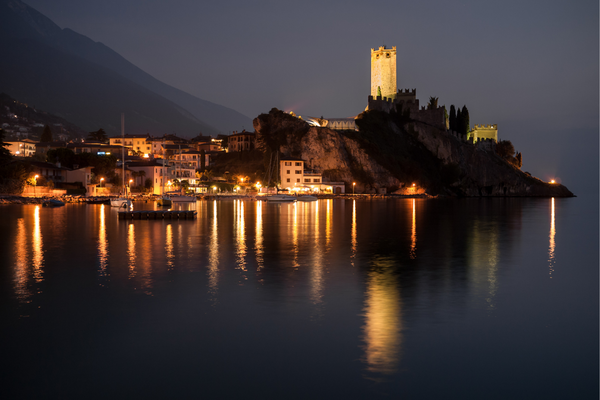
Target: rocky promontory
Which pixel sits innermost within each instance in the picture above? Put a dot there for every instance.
(390, 151)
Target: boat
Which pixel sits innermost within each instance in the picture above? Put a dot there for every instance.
(179, 198)
(307, 197)
(53, 203)
(164, 201)
(280, 198)
(122, 202)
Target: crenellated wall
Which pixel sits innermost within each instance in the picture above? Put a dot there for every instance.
(383, 71)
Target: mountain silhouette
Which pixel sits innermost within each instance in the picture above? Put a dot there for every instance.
(87, 83)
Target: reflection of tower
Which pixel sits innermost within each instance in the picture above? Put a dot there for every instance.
(552, 249)
(383, 322)
(383, 72)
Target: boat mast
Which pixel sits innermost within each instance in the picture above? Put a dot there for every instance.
(123, 150)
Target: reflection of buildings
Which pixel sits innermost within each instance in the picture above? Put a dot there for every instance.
(383, 323)
(413, 234)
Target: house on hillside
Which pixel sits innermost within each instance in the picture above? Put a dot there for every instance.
(294, 177)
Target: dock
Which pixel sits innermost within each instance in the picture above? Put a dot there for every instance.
(150, 214)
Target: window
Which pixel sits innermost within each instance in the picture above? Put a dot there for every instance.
(298, 180)
(306, 180)
(288, 179)
(298, 164)
(288, 164)
(288, 171)
(298, 171)
(316, 180)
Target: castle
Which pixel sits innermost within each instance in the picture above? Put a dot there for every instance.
(385, 96)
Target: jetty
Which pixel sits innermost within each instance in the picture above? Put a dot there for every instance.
(151, 214)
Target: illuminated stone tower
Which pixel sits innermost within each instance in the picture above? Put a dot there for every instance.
(383, 72)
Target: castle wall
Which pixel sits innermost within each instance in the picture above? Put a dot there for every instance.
(481, 132)
(383, 72)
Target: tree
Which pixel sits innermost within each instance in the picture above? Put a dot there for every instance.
(66, 157)
(5, 155)
(459, 121)
(99, 135)
(466, 123)
(505, 149)
(452, 118)
(519, 159)
(46, 135)
(378, 91)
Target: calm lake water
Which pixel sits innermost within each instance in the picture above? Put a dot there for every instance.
(344, 299)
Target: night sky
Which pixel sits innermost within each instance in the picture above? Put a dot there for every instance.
(529, 66)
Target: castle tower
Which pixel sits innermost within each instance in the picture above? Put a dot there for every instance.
(383, 72)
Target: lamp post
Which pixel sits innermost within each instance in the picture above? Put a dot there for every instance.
(101, 182)
(353, 184)
(130, 181)
(34, 183)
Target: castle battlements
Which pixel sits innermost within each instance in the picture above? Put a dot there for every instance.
(492, 126)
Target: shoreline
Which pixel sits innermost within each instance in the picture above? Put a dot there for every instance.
(79, 199)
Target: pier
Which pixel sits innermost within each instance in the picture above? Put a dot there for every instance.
(150, 214)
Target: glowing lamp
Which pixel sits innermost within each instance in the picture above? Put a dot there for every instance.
(552, 181)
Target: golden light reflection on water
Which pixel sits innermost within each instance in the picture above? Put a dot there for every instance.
(240, 235)
(169, 247)
(328, 221)
(316, 292)
(484, 260)
(382, 331)
(413, 236)
(38, 251)
(354, 233)
(552, 248)
(131, 250)
(294, 210)
(102, 243)
(259, 241)
(213, 254)
(21, 280)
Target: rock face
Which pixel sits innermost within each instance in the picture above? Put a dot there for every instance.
(389, 152)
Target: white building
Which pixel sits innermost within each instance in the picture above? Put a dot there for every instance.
(294, 177)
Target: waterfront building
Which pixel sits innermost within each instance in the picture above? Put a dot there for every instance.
(293, 176)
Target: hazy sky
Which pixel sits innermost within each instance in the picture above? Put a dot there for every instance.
(529, 66)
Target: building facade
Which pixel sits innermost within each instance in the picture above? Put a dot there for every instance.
(383, 72)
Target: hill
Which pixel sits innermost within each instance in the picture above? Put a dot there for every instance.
(70, 75)
(390, 151)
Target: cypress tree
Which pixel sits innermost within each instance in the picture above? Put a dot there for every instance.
(458, 122)
(452, 118)
(378, 91)
(46, 135)
(466, 122)
(202, 160)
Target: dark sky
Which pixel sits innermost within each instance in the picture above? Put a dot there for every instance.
(529, 66)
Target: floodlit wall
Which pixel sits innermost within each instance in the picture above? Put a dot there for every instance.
(383, 71)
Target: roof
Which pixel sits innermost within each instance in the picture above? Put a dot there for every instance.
(243, 133)
(290, 159)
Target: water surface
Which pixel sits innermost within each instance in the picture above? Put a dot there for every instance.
(398, 298)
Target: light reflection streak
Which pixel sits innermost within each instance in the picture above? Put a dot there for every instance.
(21, 271)
(484, 258)
(38, 254)
(240, 235)
(317, 270)
(294, 210)
(413, 236)
(102, 244)
(552, 248)
(259, 243)
(131, 250)
(169, 247)
(382, 331)
(354, 233)
(328, 224)
(213, 254)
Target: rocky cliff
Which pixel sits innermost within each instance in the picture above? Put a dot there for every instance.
(390, 151)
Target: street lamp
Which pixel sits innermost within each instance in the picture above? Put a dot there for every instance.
(34, 183)
(130, 182)
(353, 184)
(101, 182)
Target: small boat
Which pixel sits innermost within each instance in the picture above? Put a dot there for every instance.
(53, 203)
(280, 198)
(97, 200)
(164, 201)
(307, 198)
(121, 202)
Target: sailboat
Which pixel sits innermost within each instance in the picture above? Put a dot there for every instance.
(163, 200)
(122, 202)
